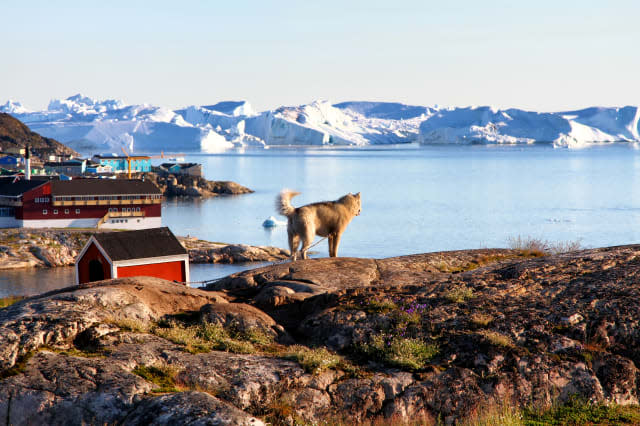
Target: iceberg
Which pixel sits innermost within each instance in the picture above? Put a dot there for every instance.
(90, 125)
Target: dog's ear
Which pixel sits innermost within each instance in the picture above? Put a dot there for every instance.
(358, 195)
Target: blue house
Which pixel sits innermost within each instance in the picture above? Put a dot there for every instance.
(120, 163)
(11, 161)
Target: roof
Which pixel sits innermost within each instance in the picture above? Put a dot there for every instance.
(13, 189)
(114, 156)
(75, 163)
(140, 244)
(103, 187)
(181, 165)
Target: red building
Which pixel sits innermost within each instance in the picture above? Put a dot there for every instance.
(79, 203)
(152, 252)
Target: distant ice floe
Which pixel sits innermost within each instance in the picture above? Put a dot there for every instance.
(272, 222)
(87, 124)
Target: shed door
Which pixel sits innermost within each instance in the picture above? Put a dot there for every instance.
(96, 273)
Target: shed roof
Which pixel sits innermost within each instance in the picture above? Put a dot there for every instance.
(139, 244)
(103, 187)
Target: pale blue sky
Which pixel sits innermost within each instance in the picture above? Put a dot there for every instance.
(543, 55)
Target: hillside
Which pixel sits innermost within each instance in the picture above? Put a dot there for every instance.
(14, 134)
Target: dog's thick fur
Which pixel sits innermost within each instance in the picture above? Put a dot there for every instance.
(327, 219)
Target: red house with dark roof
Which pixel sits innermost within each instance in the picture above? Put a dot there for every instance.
(154, 252)
(79, 203)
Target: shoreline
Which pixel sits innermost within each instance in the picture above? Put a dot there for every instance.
(23, 248)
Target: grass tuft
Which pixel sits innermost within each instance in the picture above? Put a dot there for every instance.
(497, 339)
(533, 247)
(459, 294)
(480, 319)
(314, 361)
(163, 376)
(401, 352)
(129, 324)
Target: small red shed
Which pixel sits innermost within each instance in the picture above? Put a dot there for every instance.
(153, 252)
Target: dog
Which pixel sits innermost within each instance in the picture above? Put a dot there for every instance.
(326, 218)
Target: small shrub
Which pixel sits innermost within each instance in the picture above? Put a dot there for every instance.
(8, 301)
(163, 376)
(314, 361)
(497, 339)
(406, 353)
(480, 319)
(459, 294)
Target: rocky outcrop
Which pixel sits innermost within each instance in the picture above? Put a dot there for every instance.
(27, 248)
(201, 251)
(406, 339)
(173, 185)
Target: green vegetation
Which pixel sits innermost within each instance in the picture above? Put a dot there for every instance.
(397, 351)
(314, 361)
(8, 301)
(163, 376)
(577, 411)
(208, 337)
(459, 294)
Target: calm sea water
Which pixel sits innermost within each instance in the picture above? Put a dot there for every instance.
(427, 198)
(414, 199)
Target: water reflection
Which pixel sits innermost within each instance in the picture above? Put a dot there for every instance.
(32, 281)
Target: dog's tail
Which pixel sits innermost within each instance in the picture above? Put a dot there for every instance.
(283, 202)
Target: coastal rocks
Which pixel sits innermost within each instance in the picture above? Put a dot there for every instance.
(201, 251)
(411, 338)
(173, 185)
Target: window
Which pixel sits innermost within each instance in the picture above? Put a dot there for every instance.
(55, 212)
(137, 209)
(77, 211)
(44, 211)
(66, 211)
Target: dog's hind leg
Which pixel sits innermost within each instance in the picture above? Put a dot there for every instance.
(307, 239)
(293, 246)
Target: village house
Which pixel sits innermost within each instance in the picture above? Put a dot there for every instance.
(75, 167)
(154, 252)
(10, 161)
(120, 163)
(81, 203)
(190, 169)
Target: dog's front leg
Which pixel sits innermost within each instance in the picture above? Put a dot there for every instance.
(336, 241)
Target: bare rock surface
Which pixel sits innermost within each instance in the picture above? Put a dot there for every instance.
(490, 325)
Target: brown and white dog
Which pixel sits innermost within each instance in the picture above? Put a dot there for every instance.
(326, 218)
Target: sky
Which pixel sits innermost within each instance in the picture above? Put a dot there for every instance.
(540, 55)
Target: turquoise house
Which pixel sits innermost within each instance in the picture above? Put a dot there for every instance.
(119, 163)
